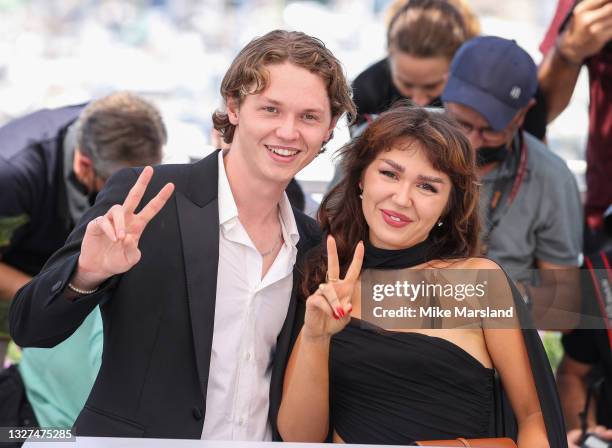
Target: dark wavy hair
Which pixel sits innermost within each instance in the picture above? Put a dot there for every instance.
(247, 74)
(447, 150)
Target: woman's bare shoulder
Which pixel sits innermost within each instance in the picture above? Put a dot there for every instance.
(481, 263)
(465, 263)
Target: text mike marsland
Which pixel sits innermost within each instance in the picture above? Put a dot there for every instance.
(437, 312)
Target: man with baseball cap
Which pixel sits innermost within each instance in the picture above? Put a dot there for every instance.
(532, 216)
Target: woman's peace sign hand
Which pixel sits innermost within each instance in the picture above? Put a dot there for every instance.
(110, 244)
(328, 308)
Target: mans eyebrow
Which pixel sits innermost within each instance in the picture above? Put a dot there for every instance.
(314, 110)
(265, 99)
(274, 102)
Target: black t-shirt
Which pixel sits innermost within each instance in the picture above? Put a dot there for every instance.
(374, 92)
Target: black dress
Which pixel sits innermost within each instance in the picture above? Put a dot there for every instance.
(391, 387)
(394, 388)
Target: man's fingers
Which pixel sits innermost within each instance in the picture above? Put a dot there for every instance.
(355, 268)
(333, 265)
(115, 214)
(156, 204)
(603, 29)
(589, 5)
(132, 253)
(105, 225)
(598, 15)
(137, 191)
(604, 432)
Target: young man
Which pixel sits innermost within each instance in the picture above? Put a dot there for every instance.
(196, 288)
(532, 217)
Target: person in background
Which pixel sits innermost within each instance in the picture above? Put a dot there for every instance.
(585, 372)
(422, 38)
(53, 162)
(529, 199)
(581, 35)
(472, 24)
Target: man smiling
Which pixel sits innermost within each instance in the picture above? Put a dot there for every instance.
(196, 288)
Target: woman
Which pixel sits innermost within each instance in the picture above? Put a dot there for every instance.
(422, 37)
(410, 193)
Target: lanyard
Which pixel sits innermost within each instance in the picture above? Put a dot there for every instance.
(498, 187)
(600, 278)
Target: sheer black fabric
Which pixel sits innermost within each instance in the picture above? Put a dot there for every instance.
(393, 388)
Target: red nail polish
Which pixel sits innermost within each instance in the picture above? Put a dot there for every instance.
(340, 311)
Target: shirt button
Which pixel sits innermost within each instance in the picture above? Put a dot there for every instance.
(197, 413)
(241, 421)
(247, 356)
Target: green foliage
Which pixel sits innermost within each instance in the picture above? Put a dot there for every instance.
(553, 347)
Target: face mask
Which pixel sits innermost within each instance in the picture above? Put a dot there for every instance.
(77, 184)
(81, 188)
(91, 198)
(436, 102)
(490, 154)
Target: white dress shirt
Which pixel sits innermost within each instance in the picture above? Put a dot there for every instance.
(249, 314)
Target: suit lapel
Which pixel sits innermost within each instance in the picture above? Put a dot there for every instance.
(291, 327)
(198, 216)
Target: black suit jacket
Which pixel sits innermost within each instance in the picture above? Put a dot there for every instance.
(158, 317)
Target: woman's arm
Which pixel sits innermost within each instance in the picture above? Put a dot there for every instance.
(509, 355)
(304, 411)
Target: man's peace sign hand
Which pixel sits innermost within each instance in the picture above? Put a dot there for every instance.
(328, 308)
(110, 244)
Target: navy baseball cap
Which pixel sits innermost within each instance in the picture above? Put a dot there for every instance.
(493, 76)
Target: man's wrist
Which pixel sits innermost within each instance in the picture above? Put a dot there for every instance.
(85, 282)
(566, 54)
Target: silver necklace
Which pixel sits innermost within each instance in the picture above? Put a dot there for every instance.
(268, 252)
